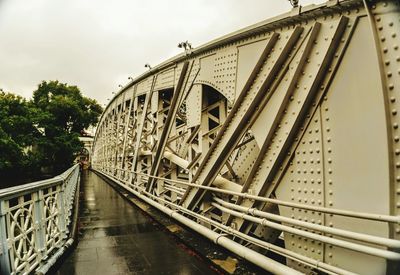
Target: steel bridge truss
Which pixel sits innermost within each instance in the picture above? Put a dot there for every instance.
(286, 130)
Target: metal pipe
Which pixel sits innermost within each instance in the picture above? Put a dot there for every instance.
(348, 213)
(269, 246)
(341, 243)
(325, 229)
(279, 250)
(246, 253)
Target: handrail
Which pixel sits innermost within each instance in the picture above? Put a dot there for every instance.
(333, 211)
(35, 221)
(18, 190)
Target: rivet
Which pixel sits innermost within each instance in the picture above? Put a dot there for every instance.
(398, 191)
(394, 112)
(389, 74)
(395, 125)
(396, 138)
(392, 99)
(331, 203)
(387, 62)
(397, 151)
(398, 205)
(393, 35)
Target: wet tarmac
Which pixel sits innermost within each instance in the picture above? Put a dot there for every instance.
(117, 238)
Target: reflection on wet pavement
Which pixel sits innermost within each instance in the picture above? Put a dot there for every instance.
(116, 238)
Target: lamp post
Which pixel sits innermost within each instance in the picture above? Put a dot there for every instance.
(186, 46)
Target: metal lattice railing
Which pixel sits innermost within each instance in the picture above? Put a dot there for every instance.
(35, 221)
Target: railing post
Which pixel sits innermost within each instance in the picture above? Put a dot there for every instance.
(39, 223)
(61, 205)
(5, 267)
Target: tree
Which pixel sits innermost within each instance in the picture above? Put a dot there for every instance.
(62, 114)
(41, 136)
(17, 135)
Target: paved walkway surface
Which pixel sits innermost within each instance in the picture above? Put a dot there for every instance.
(116, 238)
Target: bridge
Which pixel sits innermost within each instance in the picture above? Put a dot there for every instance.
(278, 139)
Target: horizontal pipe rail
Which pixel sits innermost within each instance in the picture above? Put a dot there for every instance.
(151, 199)
(341, 212)
(340, 243)
(274, 248)
(325, 229)
(248, 254)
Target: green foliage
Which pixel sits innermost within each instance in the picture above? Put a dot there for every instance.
(41, 135)
(68, 108)
(17, 135)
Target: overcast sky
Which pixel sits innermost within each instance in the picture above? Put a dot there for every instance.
(97, 44)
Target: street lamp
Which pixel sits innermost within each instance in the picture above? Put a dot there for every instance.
(294, 3)
(187, 46)
(147, 65)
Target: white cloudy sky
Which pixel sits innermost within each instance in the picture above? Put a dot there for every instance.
(97, 44)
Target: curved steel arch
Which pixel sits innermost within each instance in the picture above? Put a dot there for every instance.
(302, 146)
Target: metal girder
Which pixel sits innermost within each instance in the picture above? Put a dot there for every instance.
(294, 119)
(175, 103)
(263, 172)
(237, 122)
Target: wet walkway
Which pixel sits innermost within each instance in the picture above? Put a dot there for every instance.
(116, 238)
